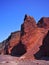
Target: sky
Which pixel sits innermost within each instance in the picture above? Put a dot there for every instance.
(12, 13)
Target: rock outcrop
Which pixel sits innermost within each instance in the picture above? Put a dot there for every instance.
(28, 25)
(10, 42)
(43, 23)
(32, 41)
(27, 29)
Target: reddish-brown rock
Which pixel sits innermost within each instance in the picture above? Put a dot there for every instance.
(45, 45)
(14, 40)
(44, 22)
(27, 29)
(33, 36)
(32, 41)
(28, 25)
(10, 42)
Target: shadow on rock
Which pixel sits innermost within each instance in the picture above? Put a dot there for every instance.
(18, 50)
(43, 53)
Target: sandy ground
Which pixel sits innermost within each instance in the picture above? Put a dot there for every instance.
(25, 63)
(9, 60)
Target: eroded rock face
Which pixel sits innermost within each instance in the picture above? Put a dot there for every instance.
(44, 22)
(32, 41)
(10, 42)
(33, 35)
(28, 25)
(14, 40)
(27, 29)
(18, 50)
(44, 48)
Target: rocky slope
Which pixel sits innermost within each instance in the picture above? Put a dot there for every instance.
(32, 41)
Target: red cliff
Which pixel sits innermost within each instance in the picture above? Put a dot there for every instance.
(32, 41)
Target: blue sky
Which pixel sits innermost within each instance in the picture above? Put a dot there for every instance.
(12, 14)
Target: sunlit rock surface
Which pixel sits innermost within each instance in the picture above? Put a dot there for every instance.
(31, 42)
